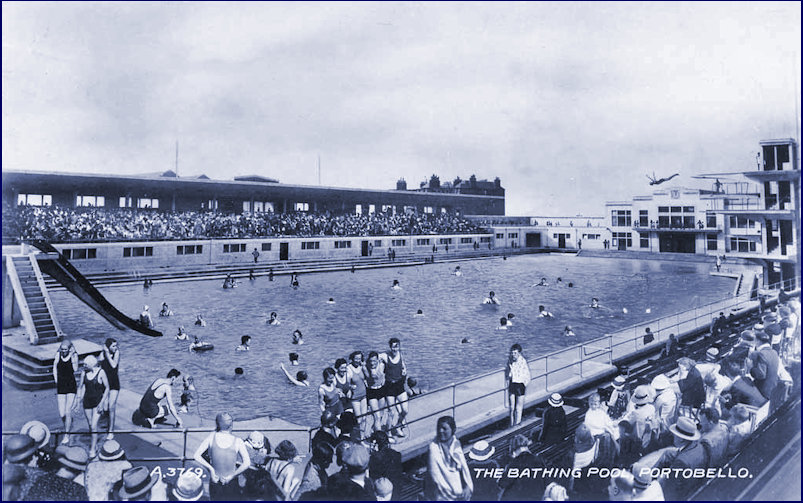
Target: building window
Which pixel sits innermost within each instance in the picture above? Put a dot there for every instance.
(445, 241)
(688, 222)
(126, 202)
(620, 218)
(189, 250)
(616, 237)
(485, 239)
(95, 201)
(711, 241)
(742, 245)
(643, 218)
(513, 235)
(266, 246)
(302, 206)
(688, 209)
(138, 251)
(399, 242)
(387, 208)
(371, 209)
(422, 241)
(711, 221)
(428, 209)
(210, 205)
(342, 244)
(378, 243)
(80, 253)
(34, 200)
(591, 237)
(663, 209)
(464, 241)
(644, 239)
(500, 236)
(234, 248)
(741, 222)
(310, 245)
(147, 202)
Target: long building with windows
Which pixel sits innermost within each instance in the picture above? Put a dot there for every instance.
(166, 191)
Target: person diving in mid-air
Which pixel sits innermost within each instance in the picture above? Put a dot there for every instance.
(658, 181)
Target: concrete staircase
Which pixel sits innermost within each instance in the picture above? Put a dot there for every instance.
(33, 300)
(30, 367)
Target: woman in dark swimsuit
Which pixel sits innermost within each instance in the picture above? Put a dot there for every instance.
(160, 389)
(95, 393)
(110, 363)
(64, 366)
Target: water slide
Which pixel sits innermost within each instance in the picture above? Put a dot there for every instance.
(60, 269)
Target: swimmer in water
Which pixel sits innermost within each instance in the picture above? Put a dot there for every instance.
(419, 313)
(298, 337)
(491, 299)
(182, 334)
(330, 301)
(274, 319)
(510, 317)
(251, 275)
(502, 323)
(238, 371)
(465, 340)
(559, 279)
(145, 317)
(244, 343)
(294, 280)
(293, 358)
(542, 283)
(165, 310)
(299, 380)
(568, 332)
(570, 285)
(198, 344)
(543, 313)
(594, 303)
(395, 285)
(200, 321)
(229, 282)
(457, 271)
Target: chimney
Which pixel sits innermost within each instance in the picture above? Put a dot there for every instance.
(401, 184)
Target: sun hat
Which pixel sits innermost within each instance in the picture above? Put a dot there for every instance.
(189, 486)
(481, 451)
(136, 482)
(73, 457)
(110, 451)
(555, 400)
(38, 431)
(642, 395)
(685, 428)
(660, 382)
(19, 448)
(748, 336)
(711, 354)
(356, 458)
(642, 478)
(758, 326)
(256, 440)
(619, 382)
(773, 329)
(769, 318)
(583, 440)
(762, 335)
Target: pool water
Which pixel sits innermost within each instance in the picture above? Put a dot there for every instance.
(367, 312)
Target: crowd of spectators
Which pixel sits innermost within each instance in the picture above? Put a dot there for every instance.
(58, 224)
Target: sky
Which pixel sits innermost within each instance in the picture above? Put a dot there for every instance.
(570, 104)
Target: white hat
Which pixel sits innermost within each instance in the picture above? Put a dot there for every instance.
(481, 451)
(256, 440)
(555, 400)
(660, 382)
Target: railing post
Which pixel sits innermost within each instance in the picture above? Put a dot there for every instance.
(184, 449)
(454, 392)
(581, 354)
(610, 350)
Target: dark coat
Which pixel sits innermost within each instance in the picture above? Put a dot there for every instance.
(692, 389)
(553, 428)
(692, 456)
(744, 391)
(387, 463)
(341, 488)
(523, 488)
(765, 370)
(486, 488)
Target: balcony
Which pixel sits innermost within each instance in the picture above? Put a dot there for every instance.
(676, 228)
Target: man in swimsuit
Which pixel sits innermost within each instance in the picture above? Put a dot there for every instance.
(94, 392)
(64, 366)
(491, 299)
(110, 363)
(159, 390)
(224, 448)
(395, 393)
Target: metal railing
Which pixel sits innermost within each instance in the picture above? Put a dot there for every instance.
(603, 349)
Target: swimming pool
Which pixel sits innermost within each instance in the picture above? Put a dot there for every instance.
(367, 312)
